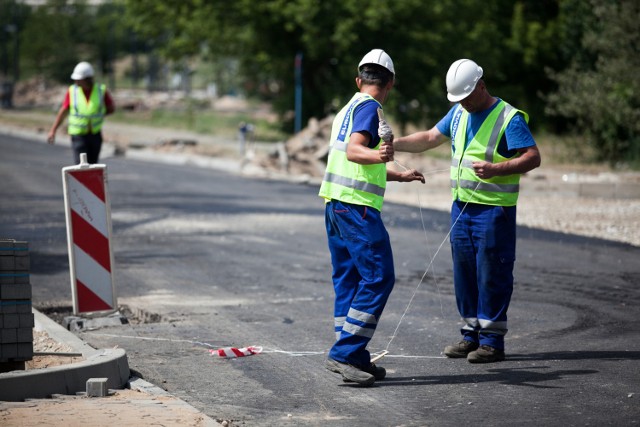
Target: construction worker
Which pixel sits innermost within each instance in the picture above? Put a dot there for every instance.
(353, 187)
(86, 104)
(491, 147)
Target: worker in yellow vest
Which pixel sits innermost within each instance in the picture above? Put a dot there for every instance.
(86, 104)
(353, 188)
(491, 147)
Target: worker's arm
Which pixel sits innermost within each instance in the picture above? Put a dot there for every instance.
(420, 141)
(109, 104)
(62, 114)
(528, 159)
(358, 150)
(405, 176)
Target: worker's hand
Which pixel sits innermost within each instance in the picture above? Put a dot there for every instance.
(411, 175)
(484, 170)
(51, 138)
(384, 130)
(386, 152)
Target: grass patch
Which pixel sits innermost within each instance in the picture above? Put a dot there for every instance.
(224, 124)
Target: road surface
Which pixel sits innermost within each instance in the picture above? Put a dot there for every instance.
(205, 259)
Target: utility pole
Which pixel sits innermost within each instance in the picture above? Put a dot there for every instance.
(298, 101)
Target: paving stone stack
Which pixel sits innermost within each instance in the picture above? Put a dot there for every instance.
(16, 317)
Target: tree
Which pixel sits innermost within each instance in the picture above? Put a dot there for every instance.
(599, 92)
(53, 38)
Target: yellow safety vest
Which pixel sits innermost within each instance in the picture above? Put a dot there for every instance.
(86, 115)
(465, 185)
(345, 180)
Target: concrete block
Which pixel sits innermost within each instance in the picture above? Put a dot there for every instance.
(11, 278)
(6, 247)
(11, 321)
(7, 263)
(24, 335)
(23, 306)
(26, 320)
(8, 336)
(75, 323)
(15, 291)
(25, 351)
(15, 306)
(8, 307)
(97, 387)
(9, 351)
(22, 263)
(12, 247)
(11, 366)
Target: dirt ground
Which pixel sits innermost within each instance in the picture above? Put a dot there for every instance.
(48, 352)
(120, 408)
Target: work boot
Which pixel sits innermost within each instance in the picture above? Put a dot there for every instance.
(461, 349)
(350, 372)
(486, 354)
(378, 372)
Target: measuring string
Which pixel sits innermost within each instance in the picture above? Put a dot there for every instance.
(415, 291)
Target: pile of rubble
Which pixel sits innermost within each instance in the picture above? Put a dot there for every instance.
(38, 92)
(305, 153)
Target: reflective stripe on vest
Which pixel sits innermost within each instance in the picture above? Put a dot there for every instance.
(348, 181)
(86, 115)
(465, 185)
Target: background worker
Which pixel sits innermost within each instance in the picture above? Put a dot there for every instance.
(353, 187)
(491, 147)
(86, 104)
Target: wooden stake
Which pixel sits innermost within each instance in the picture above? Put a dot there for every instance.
(380, 356)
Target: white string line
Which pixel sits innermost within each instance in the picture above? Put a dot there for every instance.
(293, 353)
(315, 353)
(395, 332)
(424, 229)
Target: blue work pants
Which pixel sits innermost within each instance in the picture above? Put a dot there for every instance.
(483, 245)
(363, 277)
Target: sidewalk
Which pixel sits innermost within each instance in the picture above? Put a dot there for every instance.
(130, 401)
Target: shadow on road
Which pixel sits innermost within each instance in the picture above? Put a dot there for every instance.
(578, 355)
(508, 376)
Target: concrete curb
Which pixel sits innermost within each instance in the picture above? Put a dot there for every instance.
(65, 379)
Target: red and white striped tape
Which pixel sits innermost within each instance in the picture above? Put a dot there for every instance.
(89, 236)
(231, 352)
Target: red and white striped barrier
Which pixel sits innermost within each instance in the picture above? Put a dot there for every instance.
(231, 352)
(88, 214)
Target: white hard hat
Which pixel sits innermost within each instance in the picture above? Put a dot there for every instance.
(462, 78)
(380, 57)
(82, 71)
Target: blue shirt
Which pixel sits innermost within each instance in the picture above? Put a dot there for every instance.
(517, 134)
(365, 120)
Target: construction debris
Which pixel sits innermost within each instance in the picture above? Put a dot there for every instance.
(305, 153)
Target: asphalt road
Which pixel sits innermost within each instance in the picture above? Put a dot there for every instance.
(206, 259)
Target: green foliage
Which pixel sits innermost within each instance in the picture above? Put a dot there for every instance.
(423, 38)
(565, 62)
(599, 92)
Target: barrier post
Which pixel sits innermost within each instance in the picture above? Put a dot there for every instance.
(88, 216)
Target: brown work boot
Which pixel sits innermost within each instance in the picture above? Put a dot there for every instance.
(461, 349)
(486, 354)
